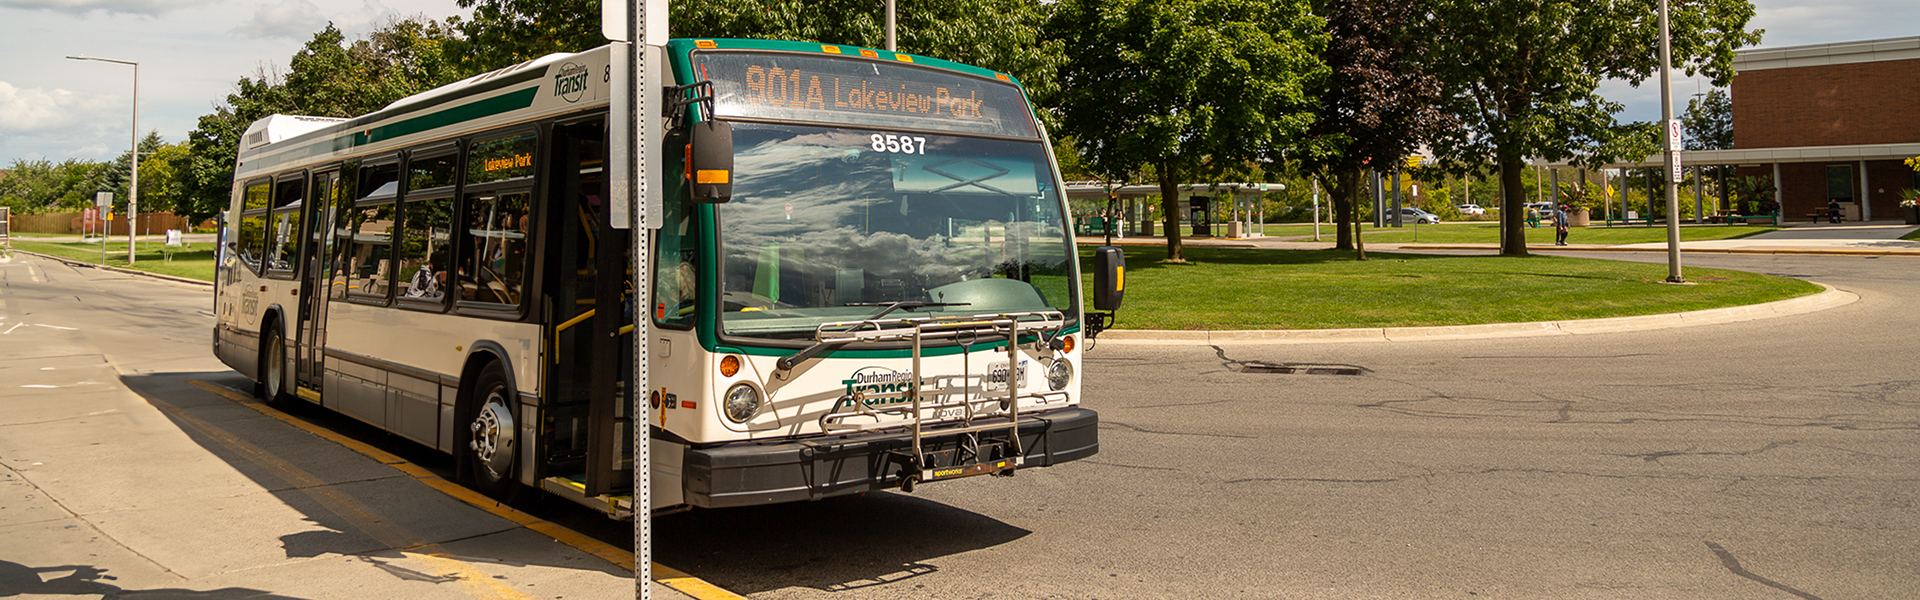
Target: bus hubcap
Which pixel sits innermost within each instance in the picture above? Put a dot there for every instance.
(493, 437)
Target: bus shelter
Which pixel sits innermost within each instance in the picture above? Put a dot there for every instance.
(1132, 214)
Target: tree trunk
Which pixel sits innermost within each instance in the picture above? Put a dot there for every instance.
(1170, 205)
(1340, 193)
(1513, 207)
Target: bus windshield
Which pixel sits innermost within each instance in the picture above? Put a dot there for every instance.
(840, 224)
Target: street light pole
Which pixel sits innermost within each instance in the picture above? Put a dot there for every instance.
(133, 181)
(1673, 151)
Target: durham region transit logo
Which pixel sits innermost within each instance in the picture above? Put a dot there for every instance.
(570, 82)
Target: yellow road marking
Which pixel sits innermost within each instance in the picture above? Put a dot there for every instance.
(668, 576)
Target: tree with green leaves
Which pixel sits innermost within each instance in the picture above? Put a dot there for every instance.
(1522, 76)
(1184, 89)
(116, 176)
(1378, 103)
(1709, 121)
(1003, 35)
(1709, 124)
(37, 186)
(328, 77)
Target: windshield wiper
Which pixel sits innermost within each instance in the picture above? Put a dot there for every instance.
(787, 363)
(906, 304)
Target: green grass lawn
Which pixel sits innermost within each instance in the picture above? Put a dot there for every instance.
(193, 262)
(1489, 233)
(1226, 288)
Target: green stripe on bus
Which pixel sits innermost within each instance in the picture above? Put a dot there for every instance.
(507, 102)
(504, 103)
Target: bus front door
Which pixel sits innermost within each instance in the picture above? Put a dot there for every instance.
(587, 299)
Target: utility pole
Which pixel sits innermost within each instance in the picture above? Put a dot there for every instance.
(891, 46)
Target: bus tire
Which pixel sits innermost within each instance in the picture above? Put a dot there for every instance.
(491, 451)
(271, 388)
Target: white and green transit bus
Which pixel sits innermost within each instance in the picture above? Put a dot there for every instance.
(863, 277)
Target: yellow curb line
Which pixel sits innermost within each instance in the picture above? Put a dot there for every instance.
(667, 576)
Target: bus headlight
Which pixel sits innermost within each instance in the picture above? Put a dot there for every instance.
(743, 402)
(1059, 374)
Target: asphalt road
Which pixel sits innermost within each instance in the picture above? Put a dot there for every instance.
(1766, 459)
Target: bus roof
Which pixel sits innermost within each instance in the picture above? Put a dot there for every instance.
(501, 96)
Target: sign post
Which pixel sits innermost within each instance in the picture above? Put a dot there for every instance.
(103, 225)
(638, 29)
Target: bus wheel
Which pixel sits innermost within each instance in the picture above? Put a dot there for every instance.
(493, 437)
(273, 366)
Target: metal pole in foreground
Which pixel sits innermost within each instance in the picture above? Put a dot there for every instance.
(637, 27)
(1672, 154)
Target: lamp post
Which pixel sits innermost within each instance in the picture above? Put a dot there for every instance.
(133, 182)
(1674, 275)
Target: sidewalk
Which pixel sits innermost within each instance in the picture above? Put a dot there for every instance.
(1873, 238)
(128, 468)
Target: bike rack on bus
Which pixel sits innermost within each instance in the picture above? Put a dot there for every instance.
(966, 330)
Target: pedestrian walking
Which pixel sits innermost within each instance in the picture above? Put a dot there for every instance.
(1560, 225)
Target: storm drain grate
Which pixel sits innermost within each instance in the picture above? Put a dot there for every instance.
(1297, 369)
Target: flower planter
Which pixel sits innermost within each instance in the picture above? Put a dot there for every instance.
(1912, 214)
(1579, 218)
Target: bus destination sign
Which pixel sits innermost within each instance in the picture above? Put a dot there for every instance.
(860, 92)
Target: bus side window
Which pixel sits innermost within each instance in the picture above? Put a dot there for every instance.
(673, 267)
(425, 245)
(369, 260)
(283, 249)
(251, 244)
(493, 269)
(370, 263)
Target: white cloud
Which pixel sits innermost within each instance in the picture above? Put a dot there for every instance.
(39, 110)
(291, 19)
(81, 7)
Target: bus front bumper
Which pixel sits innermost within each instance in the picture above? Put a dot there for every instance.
(751, 473)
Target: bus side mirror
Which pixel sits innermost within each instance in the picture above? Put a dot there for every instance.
(710, 161)
(1109, 278)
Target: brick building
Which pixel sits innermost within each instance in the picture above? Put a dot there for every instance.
(1835, 120)
(1826, 121)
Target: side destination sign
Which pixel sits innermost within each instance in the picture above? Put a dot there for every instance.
(861, 92)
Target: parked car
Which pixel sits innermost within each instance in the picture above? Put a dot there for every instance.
(1471, 209)
(1415, 215)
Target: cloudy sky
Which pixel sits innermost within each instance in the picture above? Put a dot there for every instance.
(191, 52)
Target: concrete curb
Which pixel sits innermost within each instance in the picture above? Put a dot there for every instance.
(79, 263)
(1831, 298)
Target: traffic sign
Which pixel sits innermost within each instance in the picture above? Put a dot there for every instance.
(1674, 157)
(1673, 135)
